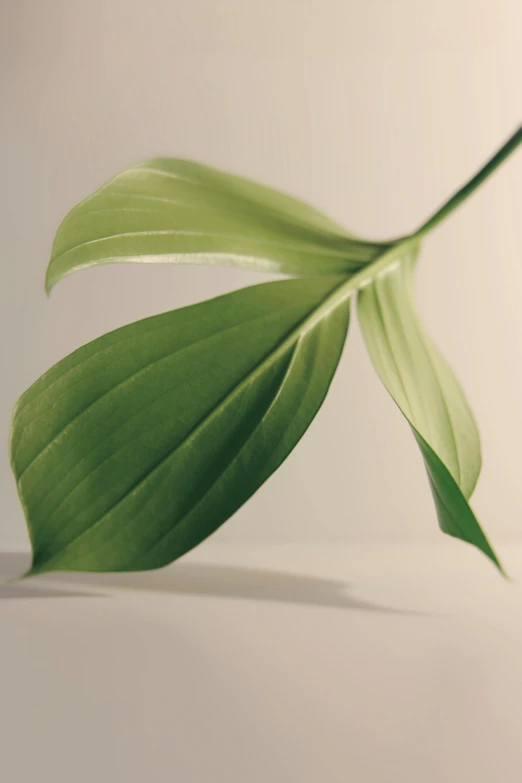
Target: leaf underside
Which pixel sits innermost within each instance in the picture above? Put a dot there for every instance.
(175, 211)
(427, 393)
(137, 446)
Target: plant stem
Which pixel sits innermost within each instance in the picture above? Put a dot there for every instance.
(461, 195)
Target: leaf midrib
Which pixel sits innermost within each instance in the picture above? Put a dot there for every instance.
(307, 248)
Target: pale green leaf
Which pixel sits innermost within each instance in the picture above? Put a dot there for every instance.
(426, 391)
(176, 211)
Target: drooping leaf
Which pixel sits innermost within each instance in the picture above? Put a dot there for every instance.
(137, 446)
(177, 211)
(426, 391)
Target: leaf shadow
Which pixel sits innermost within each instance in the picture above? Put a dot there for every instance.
(250, 584)
(225, 582)
(12, 564)
(17, 591)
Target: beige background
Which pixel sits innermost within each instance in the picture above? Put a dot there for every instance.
(296, 663)
(374, 110)
(266, 655)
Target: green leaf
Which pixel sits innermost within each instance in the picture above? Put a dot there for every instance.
(176, 211)
(426, 391)
(137, 446)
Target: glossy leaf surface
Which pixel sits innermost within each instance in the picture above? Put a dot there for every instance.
(426, 391)
(175, 211)
(137, 446)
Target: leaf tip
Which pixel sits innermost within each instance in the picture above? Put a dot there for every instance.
(504, 573)
(48, 285)
(492, 556)
(39, 566)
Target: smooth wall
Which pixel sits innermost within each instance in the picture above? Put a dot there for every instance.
(374, 111)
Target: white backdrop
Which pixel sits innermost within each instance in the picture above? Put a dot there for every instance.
(373, 110)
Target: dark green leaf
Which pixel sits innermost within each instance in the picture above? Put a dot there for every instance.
(176, 211)
(426, 391)
(136, 447)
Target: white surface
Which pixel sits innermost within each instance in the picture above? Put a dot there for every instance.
(375, 110)
(283, 663)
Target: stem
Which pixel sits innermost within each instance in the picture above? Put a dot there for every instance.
(462, 194)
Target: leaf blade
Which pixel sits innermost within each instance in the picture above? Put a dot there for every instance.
(125, 472)
(455, 515)
(175, 211)
(426, 391)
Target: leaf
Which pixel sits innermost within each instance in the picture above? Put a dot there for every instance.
(132, 450)
(137, 446)
(176, 211)
(426, 391)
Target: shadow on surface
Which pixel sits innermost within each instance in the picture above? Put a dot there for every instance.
(14, 564)
(38, 591)
(202, 579)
